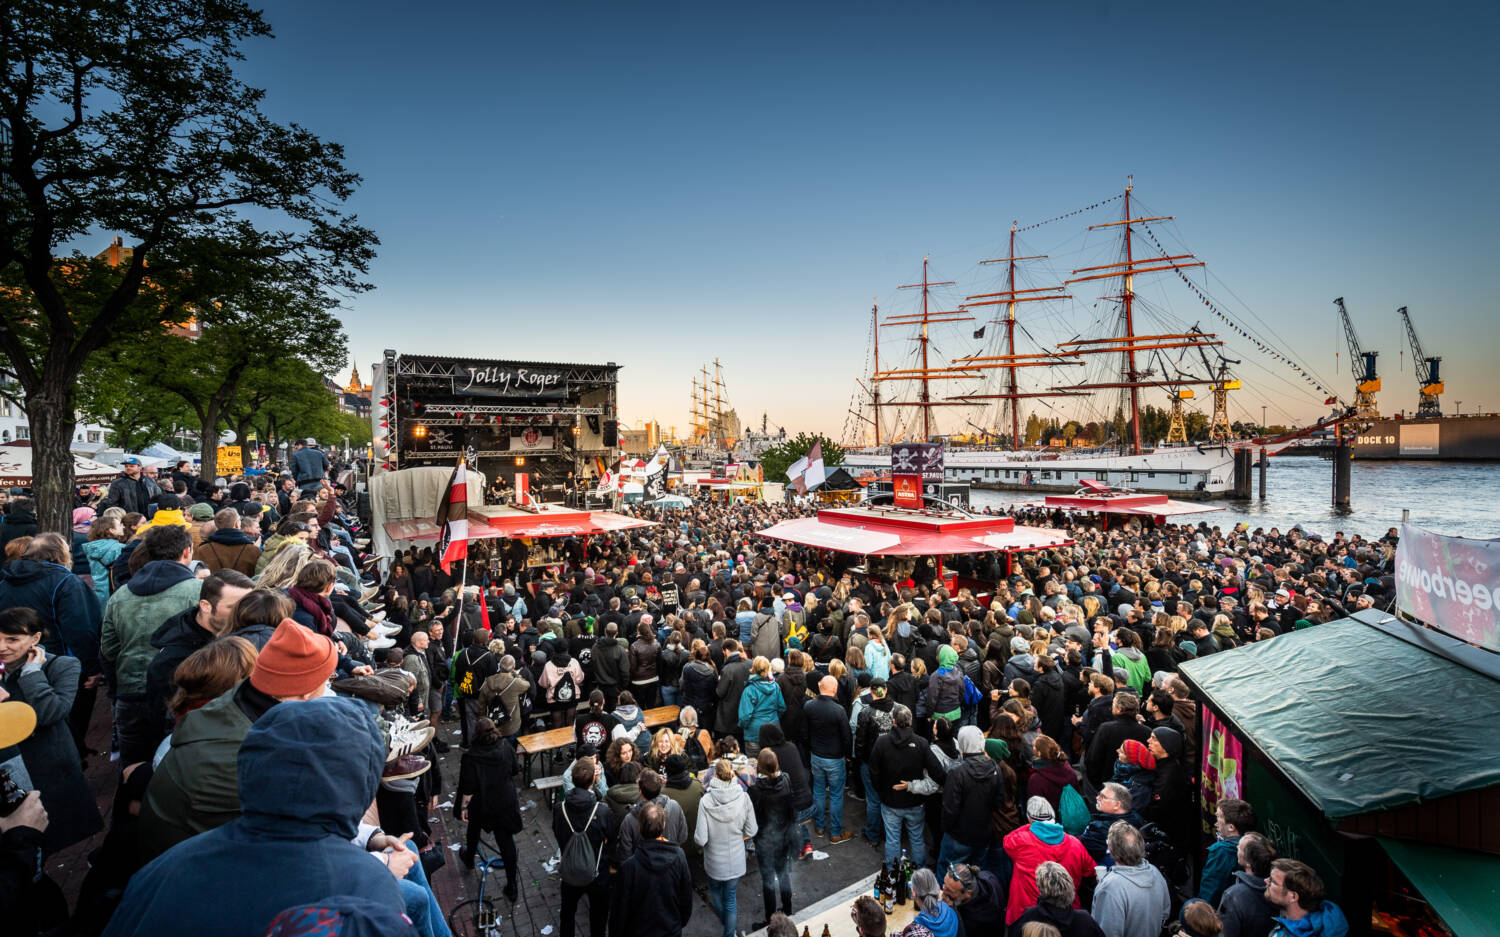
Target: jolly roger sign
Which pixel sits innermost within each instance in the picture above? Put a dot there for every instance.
(918, 458)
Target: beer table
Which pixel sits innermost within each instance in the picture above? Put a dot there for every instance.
(834, 911)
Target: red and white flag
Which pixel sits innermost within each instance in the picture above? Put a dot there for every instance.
(453, 520)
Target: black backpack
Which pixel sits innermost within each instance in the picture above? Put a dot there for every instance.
(466, 679)
(580, 860)
(565, 690)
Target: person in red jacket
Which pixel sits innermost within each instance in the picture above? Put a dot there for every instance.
(1042, 840)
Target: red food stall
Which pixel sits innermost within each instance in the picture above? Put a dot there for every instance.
(1096, 498)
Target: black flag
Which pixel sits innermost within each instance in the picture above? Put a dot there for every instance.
(979, 333)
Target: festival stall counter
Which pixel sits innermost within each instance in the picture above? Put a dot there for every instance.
(1368, 747)
(1098, 498)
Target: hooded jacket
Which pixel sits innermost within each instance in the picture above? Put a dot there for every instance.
(1327, 921)
(973, 792)
(1028, 847)
(760, 703)
(1137, 670)
(228, 549)
(1244, 909)
(307, 774)
(18, 524)
(732, 679)
(68, 613)
(774, 813)
(1070, 922)
(178, 637)
(765, 636)
(630, 826)
(725, 818)
(158, 591)
(654, 894)
(575, 809)
(1219, 867)
(900, 755)
(486, 775)
(1132, 901)
(611, 662)
(790, 761)
(1050, 699)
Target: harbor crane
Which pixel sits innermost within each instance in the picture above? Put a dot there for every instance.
(1429, 380)
(1366, 380)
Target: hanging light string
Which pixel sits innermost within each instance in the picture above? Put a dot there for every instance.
(1264, 348)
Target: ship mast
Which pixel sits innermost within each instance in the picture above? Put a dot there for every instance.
(1010, 361)
(1128, 344)
(926, 373)
(875, 385)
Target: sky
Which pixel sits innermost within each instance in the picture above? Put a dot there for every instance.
(662, 184)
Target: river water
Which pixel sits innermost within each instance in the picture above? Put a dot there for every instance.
(1454, 498)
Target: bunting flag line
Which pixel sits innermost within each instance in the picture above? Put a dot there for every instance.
(1076, 211)
(1235, 327)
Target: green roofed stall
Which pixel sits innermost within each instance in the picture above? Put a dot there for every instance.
(1359, 734)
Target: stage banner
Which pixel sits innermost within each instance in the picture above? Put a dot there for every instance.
(1223, 768)
(493, 380)
(1450, 583)
(924, 459)
(531, 440)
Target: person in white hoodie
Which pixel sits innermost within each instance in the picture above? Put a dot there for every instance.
(726, 819)
(1132, 898)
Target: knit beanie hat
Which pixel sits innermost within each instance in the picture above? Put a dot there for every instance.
(1019, 645)
(201, 511)
(1190, 648)
(295, 662)
(1170, 740)
(947, 656)
(1136, 753)
(1037, 808)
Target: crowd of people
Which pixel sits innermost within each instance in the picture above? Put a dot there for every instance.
(1027, 749)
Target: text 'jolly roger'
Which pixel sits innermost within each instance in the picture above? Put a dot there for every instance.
(514, 381)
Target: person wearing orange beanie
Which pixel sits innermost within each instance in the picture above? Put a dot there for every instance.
(196, 786)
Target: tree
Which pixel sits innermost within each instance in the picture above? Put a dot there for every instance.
(128, 117)
(1033, 430)
(775, 460)
(109, 393)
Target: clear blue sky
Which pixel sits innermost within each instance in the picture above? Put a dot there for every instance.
(657, 184)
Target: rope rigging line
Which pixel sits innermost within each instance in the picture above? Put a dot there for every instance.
(1235, 327)
(1076, 211)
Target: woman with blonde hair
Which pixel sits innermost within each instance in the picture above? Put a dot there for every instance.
(664, 744)
(760, 702)
(281, 572)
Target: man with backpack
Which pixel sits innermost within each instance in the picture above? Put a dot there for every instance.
(585, 831)
(471, 667)
(505, 698)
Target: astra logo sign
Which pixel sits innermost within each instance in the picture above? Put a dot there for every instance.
(907, 490)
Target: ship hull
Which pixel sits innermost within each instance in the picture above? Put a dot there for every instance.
(1190, 472)
(1453, 438)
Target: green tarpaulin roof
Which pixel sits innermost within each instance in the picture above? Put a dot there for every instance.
(1462, 887)
(1359, 719)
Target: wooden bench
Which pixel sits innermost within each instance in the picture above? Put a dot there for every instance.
(539, 743)
(550, 786)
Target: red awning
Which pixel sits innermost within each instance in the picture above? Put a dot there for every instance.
(874, 532)
(1121, 503)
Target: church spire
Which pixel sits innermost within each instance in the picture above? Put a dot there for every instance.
(355, 386)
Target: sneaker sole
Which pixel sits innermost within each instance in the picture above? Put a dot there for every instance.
(406, 776)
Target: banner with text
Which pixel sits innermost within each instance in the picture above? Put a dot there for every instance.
(1451, 583)
(918, 458)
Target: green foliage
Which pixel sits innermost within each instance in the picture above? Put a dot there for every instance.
(111, 393)
(775, 460)
(1033, 431)
(128, 116)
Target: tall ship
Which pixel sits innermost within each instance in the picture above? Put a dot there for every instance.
(1132, 349)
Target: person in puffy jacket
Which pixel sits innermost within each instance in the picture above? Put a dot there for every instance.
(1041, 840)
(699, 682)
(760, 703)
(644, 655)
(653, 896)
(725, 819)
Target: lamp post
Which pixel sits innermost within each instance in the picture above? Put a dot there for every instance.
(1262, 419)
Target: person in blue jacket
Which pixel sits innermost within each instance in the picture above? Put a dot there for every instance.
(1233, 818)
(307, 773)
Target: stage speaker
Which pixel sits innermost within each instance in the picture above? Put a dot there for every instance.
(611, 434)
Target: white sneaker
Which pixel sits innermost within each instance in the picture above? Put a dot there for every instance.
(379, 644)
(384, 631)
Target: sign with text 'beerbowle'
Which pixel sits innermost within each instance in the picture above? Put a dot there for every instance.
(1451, 583)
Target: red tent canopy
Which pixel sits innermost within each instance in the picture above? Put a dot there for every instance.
(496, 522)
(1109, 501)
(882, 531)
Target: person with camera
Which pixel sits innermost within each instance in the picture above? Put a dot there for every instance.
(48, 684)
(30, 901)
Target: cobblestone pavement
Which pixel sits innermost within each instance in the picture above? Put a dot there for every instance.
(540, 899)
(537, 910)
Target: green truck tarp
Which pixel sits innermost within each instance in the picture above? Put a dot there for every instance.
(1462, 887)
(1357, 718)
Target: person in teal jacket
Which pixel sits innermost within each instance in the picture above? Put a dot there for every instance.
(760, 703)
(1232, 820)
